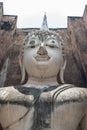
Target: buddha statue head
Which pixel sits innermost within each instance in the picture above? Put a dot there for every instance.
(42, 55)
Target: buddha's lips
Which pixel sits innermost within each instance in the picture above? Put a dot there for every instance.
(42, 58)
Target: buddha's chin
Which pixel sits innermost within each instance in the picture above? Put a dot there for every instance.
(41, 65)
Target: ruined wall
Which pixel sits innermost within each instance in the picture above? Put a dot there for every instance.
(85, 16)
(75, 41)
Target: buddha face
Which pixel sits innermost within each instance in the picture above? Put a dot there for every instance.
(42, 55)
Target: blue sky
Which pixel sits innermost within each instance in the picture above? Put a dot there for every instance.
(30, 12)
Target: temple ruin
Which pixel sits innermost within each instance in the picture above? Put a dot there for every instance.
(75, 42)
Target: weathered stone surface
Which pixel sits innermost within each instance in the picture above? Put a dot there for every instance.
(75, 42)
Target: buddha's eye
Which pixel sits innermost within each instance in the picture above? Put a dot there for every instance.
(51, 46)
(33, 46)
(33, 43)
(52, 43)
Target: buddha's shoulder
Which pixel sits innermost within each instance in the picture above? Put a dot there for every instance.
(12, 91)
(65, 93)
(15, 95)
(69, 93)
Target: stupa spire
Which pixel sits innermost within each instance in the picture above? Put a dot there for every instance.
(44, 23)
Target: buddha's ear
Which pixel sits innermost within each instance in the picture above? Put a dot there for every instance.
(21, 62)
(62, 71)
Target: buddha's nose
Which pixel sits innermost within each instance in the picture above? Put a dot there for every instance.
(42, 50)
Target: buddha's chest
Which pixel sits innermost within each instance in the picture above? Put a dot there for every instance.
(50, 116)
(52, 111)
(46, 112)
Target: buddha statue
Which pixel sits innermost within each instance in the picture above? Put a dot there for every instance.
(43, 101)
